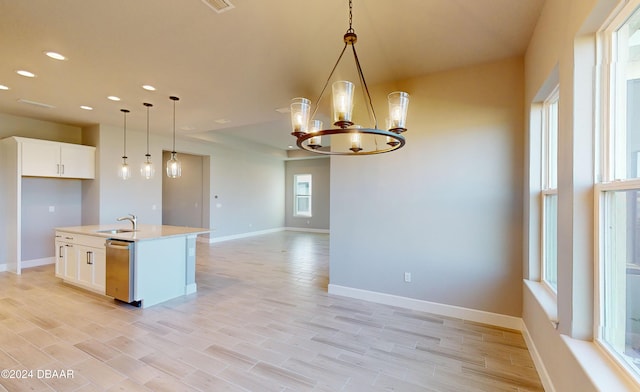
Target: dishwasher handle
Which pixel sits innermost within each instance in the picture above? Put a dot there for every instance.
(118, 244)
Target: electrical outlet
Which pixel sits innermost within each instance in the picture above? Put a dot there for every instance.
(407, 277)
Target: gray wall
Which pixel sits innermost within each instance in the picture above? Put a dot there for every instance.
(182, 198)
(37, 129)
(247, 192)
(448, 206)
(319, 169)
(38, 223)
(249, 184)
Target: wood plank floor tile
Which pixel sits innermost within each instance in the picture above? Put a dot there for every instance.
(262, 321)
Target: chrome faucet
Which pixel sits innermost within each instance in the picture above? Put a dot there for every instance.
(131, 218)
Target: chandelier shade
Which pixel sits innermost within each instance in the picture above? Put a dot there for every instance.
(347, 138)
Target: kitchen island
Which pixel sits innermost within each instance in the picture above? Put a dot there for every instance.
(163, 259)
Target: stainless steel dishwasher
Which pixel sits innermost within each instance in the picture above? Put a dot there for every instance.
(119, 270)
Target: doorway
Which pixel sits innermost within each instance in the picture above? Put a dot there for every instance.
(185, 200)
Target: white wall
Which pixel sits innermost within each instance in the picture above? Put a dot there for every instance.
(448, 206)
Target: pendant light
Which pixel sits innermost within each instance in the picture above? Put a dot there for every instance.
(125, 171)
(356, 140)
(174, 167)
(146, 169)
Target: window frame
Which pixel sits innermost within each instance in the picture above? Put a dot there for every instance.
(296, 196)
(610, 175)
(549, 181)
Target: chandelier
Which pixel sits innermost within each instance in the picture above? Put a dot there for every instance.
(309, 132)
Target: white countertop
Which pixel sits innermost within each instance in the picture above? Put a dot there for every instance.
(143, 232)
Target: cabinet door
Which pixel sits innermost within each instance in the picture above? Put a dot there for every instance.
(60, 258)
(71, 262)
(91, 268)
(40, 159)
(85, 265)
(77, 161)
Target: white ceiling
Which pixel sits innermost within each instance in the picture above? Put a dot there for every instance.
(239, 65)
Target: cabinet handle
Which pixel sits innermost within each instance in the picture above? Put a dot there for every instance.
(62, 166)
(69, 246)
(60, 254)
(68, 238)
(58, 168)
(58, 236)
(89, 257)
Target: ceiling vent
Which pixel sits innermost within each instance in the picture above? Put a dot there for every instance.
(34, 103)
(219, 6)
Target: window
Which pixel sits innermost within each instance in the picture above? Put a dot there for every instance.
(618, 191)
(302, 195)
(549, 194)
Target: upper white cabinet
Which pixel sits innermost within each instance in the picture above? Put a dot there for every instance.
(43, 158)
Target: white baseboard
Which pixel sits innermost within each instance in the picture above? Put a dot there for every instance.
(3, 268)
(212, 240)
(307, 230)
(244, 235)
(37, 262)
(478, 316)
(190, 288)
(537, 360)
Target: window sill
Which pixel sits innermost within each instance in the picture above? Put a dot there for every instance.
(546, 299)
(603, 372)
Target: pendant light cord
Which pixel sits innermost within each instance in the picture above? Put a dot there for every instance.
(148, 105)
(174, 99)
(124, 151)
(147, 130)
(174, 126)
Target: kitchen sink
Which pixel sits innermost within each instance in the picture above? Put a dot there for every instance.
(115, 231)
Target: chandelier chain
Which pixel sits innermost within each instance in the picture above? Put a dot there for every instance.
(350, 30)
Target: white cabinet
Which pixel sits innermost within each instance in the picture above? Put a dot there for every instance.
(91, 267)
(43, 158)
(81, 260)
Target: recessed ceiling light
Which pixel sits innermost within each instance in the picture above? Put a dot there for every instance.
(149, 87)
(3, 87)
(223, 121)
(26, 73)
(55, 55)
(85, 107)
(290, 146)
(283, 110)
(113, 98)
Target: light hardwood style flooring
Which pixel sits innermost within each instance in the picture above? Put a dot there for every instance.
(261, 321)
